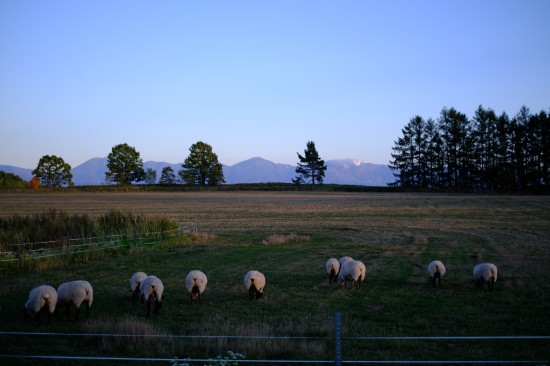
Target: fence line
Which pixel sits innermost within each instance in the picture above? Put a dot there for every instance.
(61, 248)
(244, 361)
(375, 338)
(284, 362)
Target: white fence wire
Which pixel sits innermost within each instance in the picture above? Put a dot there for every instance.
(69, 247)
(189, 361)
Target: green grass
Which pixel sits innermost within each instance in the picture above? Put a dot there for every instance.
(395, 235)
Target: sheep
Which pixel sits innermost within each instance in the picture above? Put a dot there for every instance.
(353, 271)
(40, 298)
(254, 282)
(75, 293)
(135, 282)
(195, 282)
(485, 272)
(333, 267)
(436, 270)
(344, 259)
(152, 289)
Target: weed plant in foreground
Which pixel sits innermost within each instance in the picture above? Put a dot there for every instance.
(395, 235)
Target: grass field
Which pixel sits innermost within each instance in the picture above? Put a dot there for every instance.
(396, 235)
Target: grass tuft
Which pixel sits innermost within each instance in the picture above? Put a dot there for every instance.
(278, 239)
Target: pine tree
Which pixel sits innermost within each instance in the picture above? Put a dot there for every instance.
(311, 168)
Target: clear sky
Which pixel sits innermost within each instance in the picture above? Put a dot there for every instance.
(257, 78)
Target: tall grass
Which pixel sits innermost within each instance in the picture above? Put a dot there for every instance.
(55, 224)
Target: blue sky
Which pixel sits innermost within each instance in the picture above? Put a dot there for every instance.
(257, 78)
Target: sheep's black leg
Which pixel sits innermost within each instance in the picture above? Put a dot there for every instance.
(158, 305)
(148, 306)
(77, 313)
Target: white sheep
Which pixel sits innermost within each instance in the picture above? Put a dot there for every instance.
(485, 272)
(74, 293)
(195, 282)
(135, 282)
(344, 259)
(436, 270)
(40, 298)
(333, 267)
(152, 289)
(353, 271)
(254, 282)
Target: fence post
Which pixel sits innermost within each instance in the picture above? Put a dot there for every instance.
(66, 242)
(338, 338)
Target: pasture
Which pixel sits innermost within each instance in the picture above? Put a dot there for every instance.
(396, 235)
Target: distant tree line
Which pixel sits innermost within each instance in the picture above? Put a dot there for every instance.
(488, 152)
(125, 167)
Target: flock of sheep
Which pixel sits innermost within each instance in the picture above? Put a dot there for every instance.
(75, 293)
(68, 294)
(483, 273)
(346, 269)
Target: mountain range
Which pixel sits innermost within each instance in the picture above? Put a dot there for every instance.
(253, 170)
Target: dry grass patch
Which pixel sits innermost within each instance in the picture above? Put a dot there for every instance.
(278, 239)
(201, 237)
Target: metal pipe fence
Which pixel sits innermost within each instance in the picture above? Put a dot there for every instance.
(338, 360)
(75, 246)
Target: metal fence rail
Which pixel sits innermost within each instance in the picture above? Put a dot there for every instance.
(336, 361)
(69, 246)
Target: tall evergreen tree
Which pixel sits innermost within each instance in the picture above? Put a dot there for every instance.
(410, 155)
(435, 159)
(311, 168)
(484, 139)
(455, 132)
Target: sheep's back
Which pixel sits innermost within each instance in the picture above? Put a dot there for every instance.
(41, 296)
(436, 264)
(150, 285)
(75, 292)
(485, 271)
(197, 278)
(255, 277)
(136, 279)
(332, 263)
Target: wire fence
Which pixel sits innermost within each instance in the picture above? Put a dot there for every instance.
(338, 359)
(69, 247)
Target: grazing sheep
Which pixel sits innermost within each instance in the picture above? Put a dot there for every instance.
(40, 298)
(436, 270)
(353, 271)
(485, 272)
(195, 282)
(254, 282)
(333, 267)
(135, 281)
(75, 293)
(151, 289)
(344, 259)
